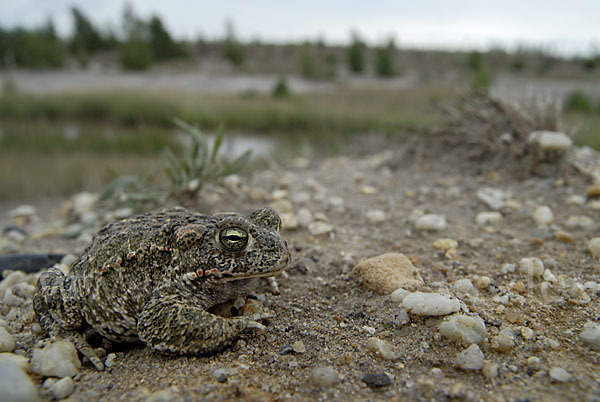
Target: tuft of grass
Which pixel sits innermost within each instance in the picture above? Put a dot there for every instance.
(578, 101)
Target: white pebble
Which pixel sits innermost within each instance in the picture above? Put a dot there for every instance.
(591, 335)
(591, 286)
(336, 204)
(305, 217)
(15, 385)
(508, 268)
(398, 295)
(375, 216)
(110, 360)
(7, 342)
(433, 304)
(484, 218)
(549, 276)
(579, 222)
(22, 211)
(470, 359)
(550, 140)
(492, 197)
(576, 199)
(527, 333)
(383, 349)
(289, 221)
(19, 360)
(324, 376)
(543, 215)
(559, 374)
(594, 247)
(431, 222)
(319, 228)
(11, 279)
(594, 204)
(62, 388)
(464, 286)
(504, 341)
(464, 328)
(489, 370)
(55, 359)
(531, 266)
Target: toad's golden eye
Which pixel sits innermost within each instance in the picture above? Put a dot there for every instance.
(233, 239)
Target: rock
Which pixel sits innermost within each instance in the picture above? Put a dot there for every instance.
(7, 342)
(62, 388)
(591, 335)
(368, 190)
(335, 204)
(492, 197)
(22, 211)
(471, 358)
(550, 140)
(579, 222)
(286, 349)
(398, 295)
(431, 222)
(19, 360)
(543, 215)
(324, 376)
(377, 380)
(533, 362)
(12, 279)
(387, 272)
(223, 373)
(504, 341)
(375, 216)
(165, 395)
(464, 286)
(110, 360)
(55, 359)
(593, 190)
(576, 200)
(484, 218)
(289, 221)
(430, 304)
(559, 374)
(527, 333)
(299, 347)
(305, 217)
(383, 349)
(319, 228)
(489, 370)
(445, 244)
(464, 328)
(591, 286)
(531, 266)
(594, 247)
(594, 204)
(548, 276)
(564, 236)
(15, 385)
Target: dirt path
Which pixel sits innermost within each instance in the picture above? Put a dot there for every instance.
(316, 346)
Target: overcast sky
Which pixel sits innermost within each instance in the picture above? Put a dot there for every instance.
(567, 27)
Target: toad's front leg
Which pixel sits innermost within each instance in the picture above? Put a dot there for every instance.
(171, 323)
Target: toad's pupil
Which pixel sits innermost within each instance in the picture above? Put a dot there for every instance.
(233, 239)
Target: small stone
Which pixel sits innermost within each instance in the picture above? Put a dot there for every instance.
(368, 190)
(531, 266)
(527, 333)
(484, 218)
(591, 286)
(289, 221)
(579, 222)
(489, 370)
(375, 216)
(110, 360)
(576, 199)
(445, 244)
(431, 222)
(508, 268)
(15, 385)
(543, 215)
(223, 373)
(559, 374)
(320, 228)
(504, 341)
(324, 376)
(492, 197)
(383, 349)
(369, 330)
(533, 362)
(7, 342)
(464, 286)
(305, 217)
(483, 282)
(377, 380)
(299, 347)
(593, 190)
(464, 328)
(548, 276)
(55, 359)
(164, 395)
(471, 358)
(594, 204)
(564, 236)
(335, 204)
(430, 304)
(594, 247)
(398, 295)
(591, 335)
(11, 279)
(387, 272)
(286, 349)
(62, 388)
(19, 360)
(550, 140)
(22, 211)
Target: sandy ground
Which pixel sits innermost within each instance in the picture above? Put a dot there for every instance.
(324, 317)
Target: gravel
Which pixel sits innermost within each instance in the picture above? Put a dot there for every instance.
(430, 304)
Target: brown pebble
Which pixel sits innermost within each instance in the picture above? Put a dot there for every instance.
(593, 190)
(520, 287)
(564, 236)
(387, 272)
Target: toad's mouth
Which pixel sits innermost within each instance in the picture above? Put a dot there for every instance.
(226, 277)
